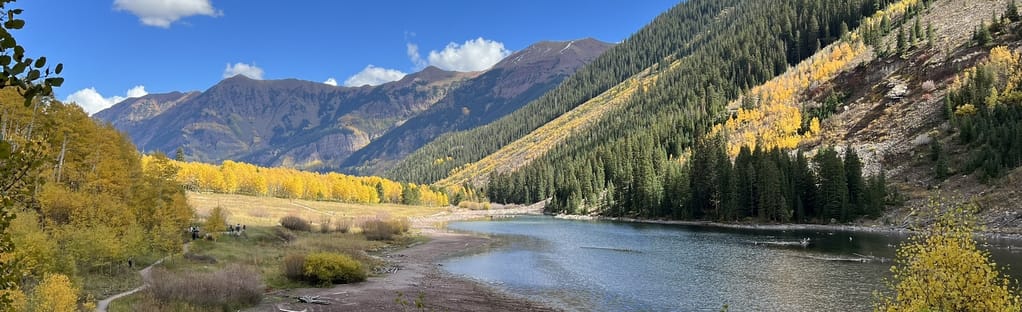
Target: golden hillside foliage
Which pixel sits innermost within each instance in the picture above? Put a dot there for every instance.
(89, 206)
(233, 177)
(1003, 65)
(775, 117)
(54, 294)
(943, 270)
(535, 144)
(891, 12)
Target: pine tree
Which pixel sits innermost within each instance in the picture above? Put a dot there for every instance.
(380, 192)
(833, 185)
(930, 38)
(745, 179)
(807, 205)
(901, 45)
(179, 155)
(1012, 12)
(917, 32)
(983, 36)
(770, 196)
(941, 169)
(856, 186)
(877, 197)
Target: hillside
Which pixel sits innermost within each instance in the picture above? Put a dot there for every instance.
(679, 31)
(284, 122)
(518, 79)
(535, 144)
(311, 125)
(133, 112)
(893, 98)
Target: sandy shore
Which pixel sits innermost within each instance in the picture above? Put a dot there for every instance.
(419, 276)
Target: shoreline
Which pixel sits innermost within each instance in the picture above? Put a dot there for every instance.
(782, 226)
(419, 276)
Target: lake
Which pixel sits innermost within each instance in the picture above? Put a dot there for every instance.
(621, 266)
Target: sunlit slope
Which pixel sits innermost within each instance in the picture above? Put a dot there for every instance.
(533, 145)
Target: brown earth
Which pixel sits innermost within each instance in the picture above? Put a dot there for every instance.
(891, 131)
(419, 278)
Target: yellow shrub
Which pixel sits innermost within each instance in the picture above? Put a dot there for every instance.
(327, 268)
(966, 110)
(54, 294)
(942, 270)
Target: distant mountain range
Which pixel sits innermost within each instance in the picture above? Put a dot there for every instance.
(311, 125)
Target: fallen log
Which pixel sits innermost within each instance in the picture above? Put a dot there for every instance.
(312, 300)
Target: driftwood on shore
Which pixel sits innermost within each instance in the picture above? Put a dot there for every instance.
(312, 300)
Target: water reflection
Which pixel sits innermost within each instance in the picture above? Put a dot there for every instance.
(610, 266)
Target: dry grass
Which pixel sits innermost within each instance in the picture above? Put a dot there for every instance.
(228, 288)
(378, 229)
(265, 248)
(267, 211)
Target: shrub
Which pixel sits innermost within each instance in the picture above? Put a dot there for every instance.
(474, 205)
(294, 267)
(295, 223)
(229, 288)
(377, 229)
(941, 269)
(284, 235)
(402, 225)
(344, 225)
(324, 224)
(216, 222)
(326, 268)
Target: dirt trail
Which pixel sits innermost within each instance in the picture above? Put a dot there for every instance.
(102, 305)
(420, 275)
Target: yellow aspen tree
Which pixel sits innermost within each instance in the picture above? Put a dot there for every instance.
(54, 294)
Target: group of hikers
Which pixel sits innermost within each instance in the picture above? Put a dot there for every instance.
(235, 230)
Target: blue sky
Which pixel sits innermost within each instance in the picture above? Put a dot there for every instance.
(112, 49)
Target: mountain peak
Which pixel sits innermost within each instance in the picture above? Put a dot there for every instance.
(570, 51)
(431, 74)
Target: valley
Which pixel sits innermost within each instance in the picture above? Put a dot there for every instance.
(745, 155)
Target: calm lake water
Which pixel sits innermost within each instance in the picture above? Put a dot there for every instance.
(616, 266)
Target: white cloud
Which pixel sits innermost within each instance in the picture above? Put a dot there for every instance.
(250, 71)
(374, 76)
(90, 99)
(331, 81)
(137, 91)
(413, 54)
(473, 55)
(162, 13)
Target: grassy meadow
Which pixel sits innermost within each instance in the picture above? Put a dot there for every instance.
(267, 211)
(265, 244)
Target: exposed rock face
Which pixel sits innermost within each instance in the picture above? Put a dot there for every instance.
(270, 122)
(133, 111)
(311, 125)
(509, 85)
